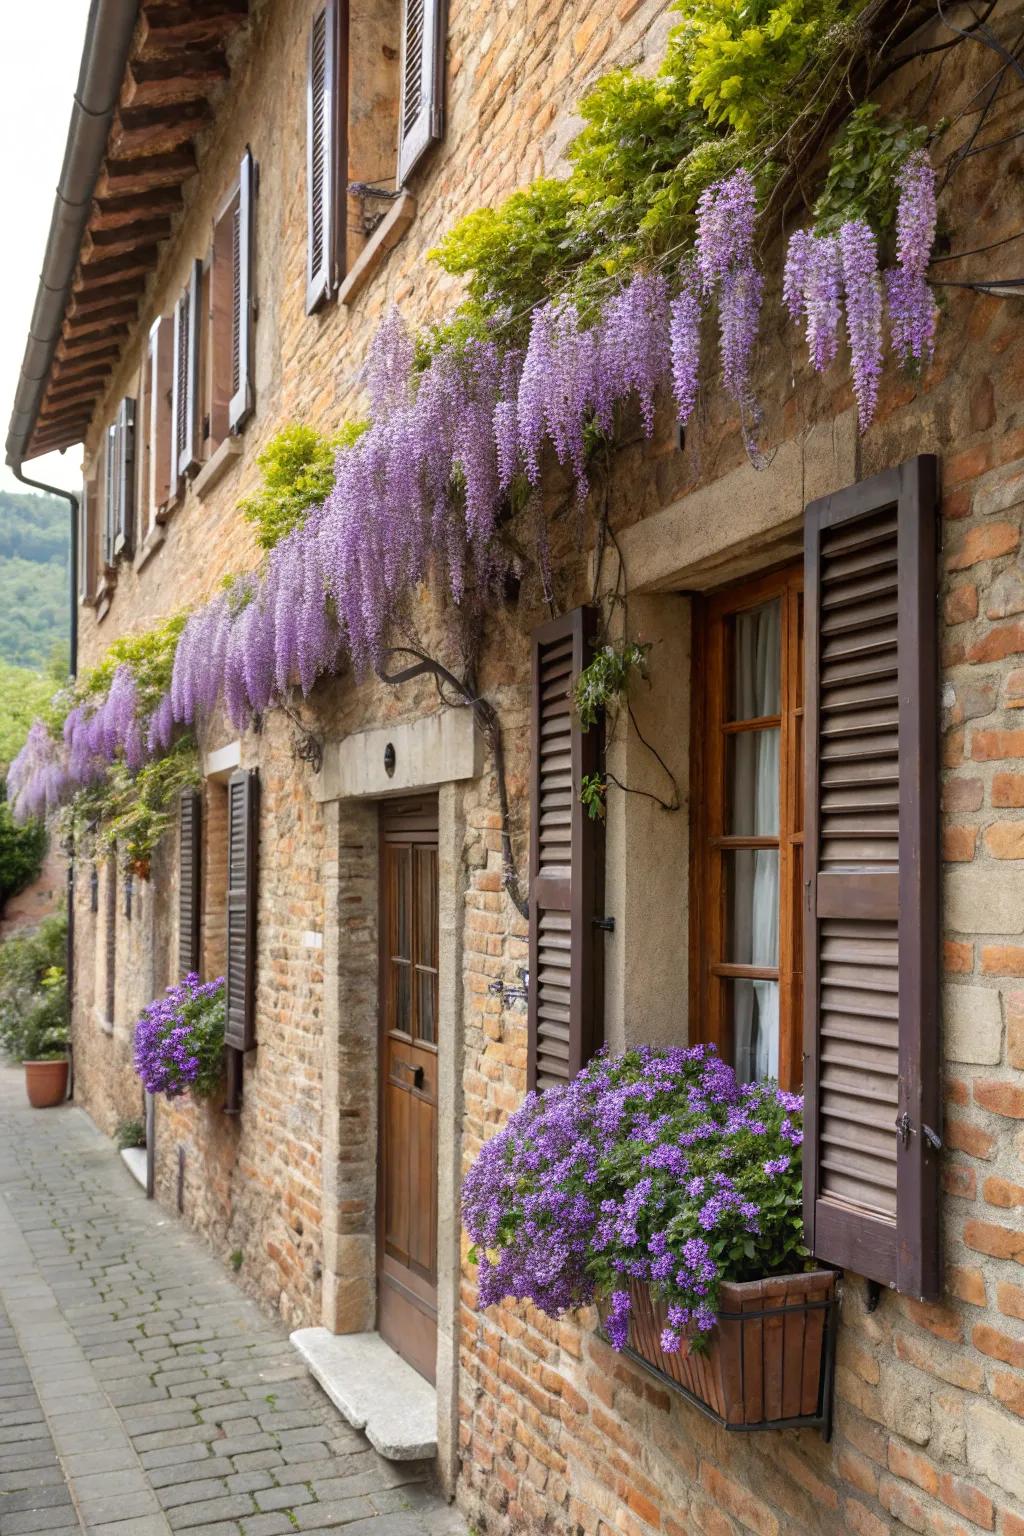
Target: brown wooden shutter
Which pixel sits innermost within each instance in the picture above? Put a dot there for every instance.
(566, 858)
(243, 837)
(189, 879)
(871, 1031)
(240, 403)
(185, 390)
(124, 516)
(322, 153)
(421, 115)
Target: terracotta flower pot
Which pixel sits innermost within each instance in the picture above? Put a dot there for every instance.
(767, 1363)
(46, 1082)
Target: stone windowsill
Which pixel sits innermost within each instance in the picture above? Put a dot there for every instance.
(375, 1390)
(217, 466)
(152, 542)
(384, 239)
(166, 510)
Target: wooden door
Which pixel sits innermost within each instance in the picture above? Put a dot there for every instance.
(409, 1030)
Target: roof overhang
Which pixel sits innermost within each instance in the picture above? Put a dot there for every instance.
(150, 71)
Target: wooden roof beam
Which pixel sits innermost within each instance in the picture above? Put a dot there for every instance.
(97, 327)
(101, 243)
(91, 300)
(155, 130)
(166, 26)
(114, 271)
(184, 76)
(117, 209)
(119, 177)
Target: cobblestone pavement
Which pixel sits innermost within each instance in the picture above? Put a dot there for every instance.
(141, 1394)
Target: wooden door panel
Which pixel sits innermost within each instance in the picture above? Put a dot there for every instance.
(409, 1039)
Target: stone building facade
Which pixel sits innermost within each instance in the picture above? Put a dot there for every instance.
(540, 1426)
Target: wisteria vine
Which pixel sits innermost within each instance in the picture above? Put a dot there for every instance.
(422, 492)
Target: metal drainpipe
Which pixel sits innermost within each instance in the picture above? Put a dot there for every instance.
(72, 500)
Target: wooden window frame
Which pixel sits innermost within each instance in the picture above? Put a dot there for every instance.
(156, 424)
(710, 971)
(426, 125)
(325, 267)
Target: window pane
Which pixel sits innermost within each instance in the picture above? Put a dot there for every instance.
(752, 784)
(427, 983)
(401, 937)
(426, 906)
(403, 998)
(752, 906)
(755, 662)
(754, 1016)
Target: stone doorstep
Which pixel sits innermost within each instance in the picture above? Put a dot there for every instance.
(134, 1159)
(374, 1389)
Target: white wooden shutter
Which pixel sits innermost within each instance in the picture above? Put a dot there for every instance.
(240, 404)
(421, 117)
(124, 522)
(321, 154)
(185, 391)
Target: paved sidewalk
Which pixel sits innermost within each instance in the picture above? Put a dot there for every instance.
(141, 1394)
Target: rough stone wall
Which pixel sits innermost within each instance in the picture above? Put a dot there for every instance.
(555, 1433)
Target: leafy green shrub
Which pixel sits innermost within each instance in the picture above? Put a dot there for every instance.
(862, 180)
(22, 850)
(130, 1133)
(298, 472)
(34, 994)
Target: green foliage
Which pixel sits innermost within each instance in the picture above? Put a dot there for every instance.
(130, 814)
(34, 543)
(237, 1259)
(23, 694)
(33, 993)
(298, 472)
(129, 1133)
(742, 59)
(22, 851)
(733, 83)
(602, 684)
(594, 796)
(863, 165)
(150, 656)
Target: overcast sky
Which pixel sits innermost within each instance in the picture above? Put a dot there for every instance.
(40, 51)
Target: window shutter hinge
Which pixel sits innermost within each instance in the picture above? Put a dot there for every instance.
(933, 1138)
(607, 923)
(904, 1128)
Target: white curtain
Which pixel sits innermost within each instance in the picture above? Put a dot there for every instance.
(754, 812)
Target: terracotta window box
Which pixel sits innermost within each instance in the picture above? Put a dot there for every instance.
(769, 1362)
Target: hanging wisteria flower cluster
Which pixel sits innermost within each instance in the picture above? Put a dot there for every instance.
(655, 1167)
(824, 272)
(420, 494)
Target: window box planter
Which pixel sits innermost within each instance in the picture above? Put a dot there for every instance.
(769, 1361)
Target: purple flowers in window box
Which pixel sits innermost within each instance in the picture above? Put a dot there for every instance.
(179, 1040)
(655, 1169)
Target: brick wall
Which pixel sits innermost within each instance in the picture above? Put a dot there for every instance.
(556, 1433)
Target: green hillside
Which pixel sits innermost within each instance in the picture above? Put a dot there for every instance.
(33, 578)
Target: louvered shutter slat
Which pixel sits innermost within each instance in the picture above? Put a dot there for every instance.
(240, 404)
(189, 880)
(243, 811)
(421, 118)
(870, 982)
(185, 390)
(565, 863)
(321, 155)
(124, 515)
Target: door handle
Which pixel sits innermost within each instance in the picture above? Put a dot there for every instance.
(416, 1073)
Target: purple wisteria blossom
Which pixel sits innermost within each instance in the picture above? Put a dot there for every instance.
(726, 271)
(685, 317)
(858, 250)
(912, 312)
(619, 1178)
(179, 1039)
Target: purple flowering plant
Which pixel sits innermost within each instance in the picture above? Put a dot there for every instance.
(654, 1167)
(179, 1039)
